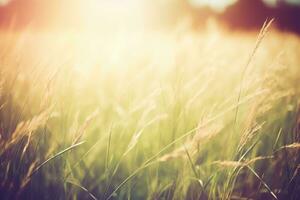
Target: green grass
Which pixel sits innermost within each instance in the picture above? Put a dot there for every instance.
(162, 115)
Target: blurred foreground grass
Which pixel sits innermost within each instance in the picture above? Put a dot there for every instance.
(157, 115)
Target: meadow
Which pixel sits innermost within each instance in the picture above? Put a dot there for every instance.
(174, 114)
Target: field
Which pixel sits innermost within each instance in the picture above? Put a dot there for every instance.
(176, 114)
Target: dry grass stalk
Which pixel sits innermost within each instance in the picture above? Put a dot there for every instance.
(26, 129)
(6, 172)
(253, 160)
(203, 134)
(179, 152)
(81, 130)
(26, 145)
(135, 138)
(251, 127)
(83, 188)
(26, 180)
(291, 146)
(249, 133)
(49, 91)
(296, 172)
(229, 163)
(261, 35)
(1, 106)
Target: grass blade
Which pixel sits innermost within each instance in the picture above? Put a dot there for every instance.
(83, 188)
(262, 181)
(55, 156)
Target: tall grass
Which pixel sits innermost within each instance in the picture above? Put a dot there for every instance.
(160, 115)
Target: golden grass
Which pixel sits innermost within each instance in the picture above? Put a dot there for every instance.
(176, 114)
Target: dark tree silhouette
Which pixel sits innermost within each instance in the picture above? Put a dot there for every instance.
(247, 14)
(288, 16)
(252, 13)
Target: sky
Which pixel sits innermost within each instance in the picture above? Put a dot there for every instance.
(91, 13)
(216, 4)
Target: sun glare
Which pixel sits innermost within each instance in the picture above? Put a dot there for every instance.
(100, 14)
(4, 2)
(215, 4)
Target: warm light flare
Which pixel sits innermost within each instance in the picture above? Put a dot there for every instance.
(103, 15)
(4, 2)
(215, 4)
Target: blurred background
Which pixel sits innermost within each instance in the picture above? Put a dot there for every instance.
(101, 14)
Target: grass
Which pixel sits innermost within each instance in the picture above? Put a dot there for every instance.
(174, 114)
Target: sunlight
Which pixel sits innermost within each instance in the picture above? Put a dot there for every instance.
(100, 14)
(4, 2)
(215, 4)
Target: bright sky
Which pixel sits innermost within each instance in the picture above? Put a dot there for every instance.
(217, 4)
(221, 4)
